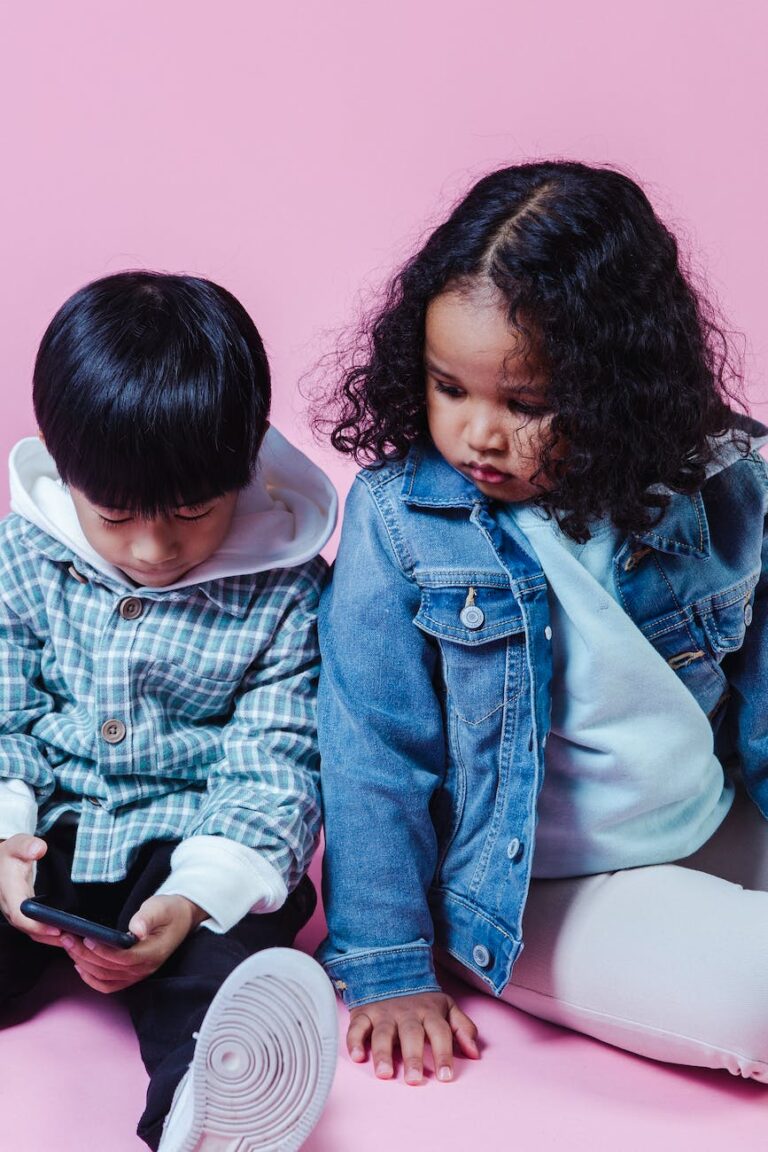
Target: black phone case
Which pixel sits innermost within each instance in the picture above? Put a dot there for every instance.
(77, 925)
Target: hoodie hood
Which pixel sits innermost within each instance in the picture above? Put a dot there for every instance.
(283, 518)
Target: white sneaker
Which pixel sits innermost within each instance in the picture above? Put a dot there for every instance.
(264, 1060)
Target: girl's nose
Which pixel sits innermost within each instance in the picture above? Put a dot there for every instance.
(485, 434)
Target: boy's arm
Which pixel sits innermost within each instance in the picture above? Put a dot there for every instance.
(24, 770)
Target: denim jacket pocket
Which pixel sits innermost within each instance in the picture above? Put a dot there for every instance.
(481, 636)
(695, 642)
(726, 617)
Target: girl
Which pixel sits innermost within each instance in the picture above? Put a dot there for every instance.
(545, 643)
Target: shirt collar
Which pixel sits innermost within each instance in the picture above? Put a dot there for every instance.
(430, 482)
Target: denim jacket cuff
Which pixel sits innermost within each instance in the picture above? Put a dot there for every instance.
(380, 974)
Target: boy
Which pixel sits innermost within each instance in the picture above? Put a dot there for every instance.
(159, 577)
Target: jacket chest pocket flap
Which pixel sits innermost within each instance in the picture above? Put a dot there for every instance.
(482, 651)
(726, 616)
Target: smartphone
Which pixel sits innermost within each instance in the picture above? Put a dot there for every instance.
(76, 925)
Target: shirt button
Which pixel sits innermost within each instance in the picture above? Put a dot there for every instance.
(513, 848)
(481, 955)
(113, 731)
(130, 608)
(548, 632)
(747, 614)
(93, 800)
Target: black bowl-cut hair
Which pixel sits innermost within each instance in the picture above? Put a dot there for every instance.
(152, 391)
(641, 375)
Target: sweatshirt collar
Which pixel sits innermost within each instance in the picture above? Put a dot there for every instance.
(232, 594)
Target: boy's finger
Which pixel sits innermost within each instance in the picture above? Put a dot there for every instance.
(358, 1034)
(93, 951)
(29, 848)
(411, 1033)
(440, 1039)
(382, 1046)
(106, 986)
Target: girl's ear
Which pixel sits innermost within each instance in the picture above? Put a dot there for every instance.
(40, 437)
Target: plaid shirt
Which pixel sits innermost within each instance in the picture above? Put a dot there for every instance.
(162, 714)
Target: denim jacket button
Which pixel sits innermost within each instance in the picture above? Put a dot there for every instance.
(472, 617)
(747, 614)
(548, 632)
(481, 956)
(513, 848)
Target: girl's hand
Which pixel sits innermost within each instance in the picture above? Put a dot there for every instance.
(161, 924)
(18, 856)
(409, 1021)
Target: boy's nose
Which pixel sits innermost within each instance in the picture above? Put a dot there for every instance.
(154, 545)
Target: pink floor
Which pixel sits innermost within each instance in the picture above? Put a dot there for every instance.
(71, 1081)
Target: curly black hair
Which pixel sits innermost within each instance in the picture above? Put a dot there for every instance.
(642, 376)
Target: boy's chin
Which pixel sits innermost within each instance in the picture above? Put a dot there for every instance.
(160, 578)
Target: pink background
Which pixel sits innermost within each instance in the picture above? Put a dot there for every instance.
(295, 152)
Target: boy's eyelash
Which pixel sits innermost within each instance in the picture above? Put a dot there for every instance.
(187, 519)
(198, 516)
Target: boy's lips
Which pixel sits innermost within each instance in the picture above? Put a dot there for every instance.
(485, 474)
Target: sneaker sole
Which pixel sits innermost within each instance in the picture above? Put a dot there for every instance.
(265, 1056)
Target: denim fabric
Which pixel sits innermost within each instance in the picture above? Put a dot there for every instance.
(432, 731)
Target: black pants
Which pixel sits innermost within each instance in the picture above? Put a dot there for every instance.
(168, 1006)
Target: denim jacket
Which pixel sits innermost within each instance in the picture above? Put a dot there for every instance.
(434, 719)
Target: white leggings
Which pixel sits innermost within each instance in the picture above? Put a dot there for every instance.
(669, 961)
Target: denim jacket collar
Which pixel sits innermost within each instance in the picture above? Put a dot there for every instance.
(430, 482)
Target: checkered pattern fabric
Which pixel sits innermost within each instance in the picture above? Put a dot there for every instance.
(191, 712)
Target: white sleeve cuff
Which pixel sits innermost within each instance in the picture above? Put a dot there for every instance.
(225, 878)
(18, 808)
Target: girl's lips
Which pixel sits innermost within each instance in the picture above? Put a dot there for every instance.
(486, 475)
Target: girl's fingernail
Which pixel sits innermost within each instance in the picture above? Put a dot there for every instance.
(413, 1076)
(383, 1069)
(90, 944)
(357, 1053)
(445, 1074)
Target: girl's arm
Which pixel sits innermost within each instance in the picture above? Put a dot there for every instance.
(746, 717)
(383, 750)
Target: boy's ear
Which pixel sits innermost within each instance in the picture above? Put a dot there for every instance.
(40, 436)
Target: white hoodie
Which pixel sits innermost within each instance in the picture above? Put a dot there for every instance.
(282, 519)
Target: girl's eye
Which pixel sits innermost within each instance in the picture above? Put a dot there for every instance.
(114, 523)
(448, 390)
(517, 405)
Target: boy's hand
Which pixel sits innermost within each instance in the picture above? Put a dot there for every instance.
(18, 856)
(409, 1021)
(161, 924)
